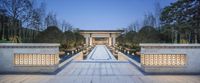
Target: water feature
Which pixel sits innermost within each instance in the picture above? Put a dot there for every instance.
(100, 52)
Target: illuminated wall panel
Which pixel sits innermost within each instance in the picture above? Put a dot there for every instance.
(21, 59)
(56, 59)
(155, 59)
(39, 59)
(142, 59)
(35, 59)
(30, 59)
(52, 60)
(160, 60)
(25, 60)
(163, 59)
(47, 59)
(43, 59)
(17, 59)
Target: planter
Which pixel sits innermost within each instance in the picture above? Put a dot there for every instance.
(61, 53)
(138, 53)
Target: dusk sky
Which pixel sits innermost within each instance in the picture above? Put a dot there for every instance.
(102, 14)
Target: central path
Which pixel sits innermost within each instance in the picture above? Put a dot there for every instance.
(100, 52)
(99, 67)
(98, 72)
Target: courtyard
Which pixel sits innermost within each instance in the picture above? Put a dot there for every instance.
(98, 69)
(99, 41)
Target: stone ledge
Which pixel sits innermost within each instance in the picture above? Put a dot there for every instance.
(167, 45)
(29, 44)
(69, 60)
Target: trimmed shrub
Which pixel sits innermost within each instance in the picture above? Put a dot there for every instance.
(51, 35)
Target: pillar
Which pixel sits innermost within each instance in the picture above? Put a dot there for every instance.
(86, 40)
(110, 41)
(113, 41)
(90, 41)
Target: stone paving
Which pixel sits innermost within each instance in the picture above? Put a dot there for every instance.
(99, 71)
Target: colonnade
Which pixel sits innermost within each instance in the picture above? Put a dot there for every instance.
(111, 40)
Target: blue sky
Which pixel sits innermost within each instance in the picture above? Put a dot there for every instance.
(102, 14)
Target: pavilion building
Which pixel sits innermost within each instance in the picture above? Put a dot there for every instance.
(98, 37)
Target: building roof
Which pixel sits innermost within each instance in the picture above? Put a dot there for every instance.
(101, 31)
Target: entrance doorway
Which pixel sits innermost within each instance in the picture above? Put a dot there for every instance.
(100, 41)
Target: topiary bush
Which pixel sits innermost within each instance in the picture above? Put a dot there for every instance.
(51, 35)
(69, 40)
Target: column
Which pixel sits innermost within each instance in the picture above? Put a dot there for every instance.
(110, 41)
(113, 41)
(86, 40)
(90, 41)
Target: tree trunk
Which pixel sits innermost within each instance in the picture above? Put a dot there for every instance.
(189, 37)
(176, 37)
(3, 33)
(172, 35)
(195, 36)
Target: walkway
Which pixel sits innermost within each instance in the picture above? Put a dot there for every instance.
(100, 52)
(101, 67)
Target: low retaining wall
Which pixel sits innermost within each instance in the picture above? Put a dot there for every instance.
(170, 58)
(124, 57)
(29, 57)
(78, 56)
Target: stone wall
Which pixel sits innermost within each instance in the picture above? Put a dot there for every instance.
(79, 56)
(126, 58)
(191, 64)
(122, 57)
(9, 50)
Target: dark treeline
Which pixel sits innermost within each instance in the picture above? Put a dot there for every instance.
(68, 39)
(13, 15)
(26, 21)
(177, 23)
(23, 21)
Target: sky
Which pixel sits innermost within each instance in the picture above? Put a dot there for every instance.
(102, 14)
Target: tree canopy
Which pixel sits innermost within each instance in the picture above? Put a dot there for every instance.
(179, 23)
(183, 18)
(148, 34)
(69, 39)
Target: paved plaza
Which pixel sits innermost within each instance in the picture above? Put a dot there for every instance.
(99, 69)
